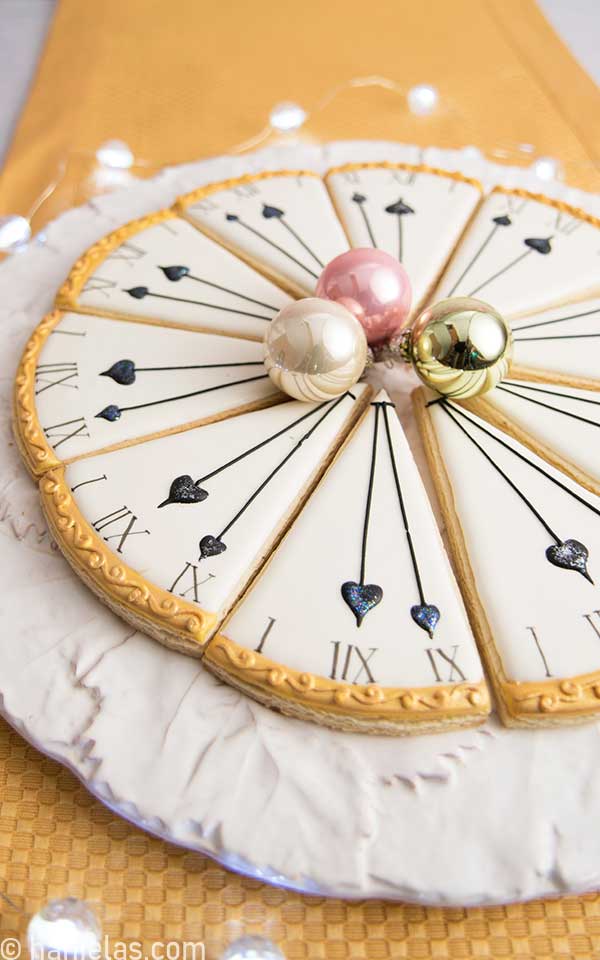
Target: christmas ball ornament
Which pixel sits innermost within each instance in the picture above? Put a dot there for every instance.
(460, 347)
(374, 286)
(315, 349)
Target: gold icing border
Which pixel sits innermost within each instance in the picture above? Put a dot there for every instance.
(68, 292)
(568, 208)
(167, 618)
(200, 193)
(39, 455)
(33, 446)
(413, 167)
(538, 703)
(400, 706)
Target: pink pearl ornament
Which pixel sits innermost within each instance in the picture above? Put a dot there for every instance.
(374, 286)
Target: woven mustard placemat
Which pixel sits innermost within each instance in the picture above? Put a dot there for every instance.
(56, 841)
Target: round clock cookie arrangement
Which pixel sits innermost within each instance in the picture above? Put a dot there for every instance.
(247, 409)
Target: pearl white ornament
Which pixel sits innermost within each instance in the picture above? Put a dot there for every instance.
(68, 928)
(422, 99)
(287, 117)
(315, 350)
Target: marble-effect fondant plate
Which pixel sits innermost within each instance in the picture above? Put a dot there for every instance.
(468, 817)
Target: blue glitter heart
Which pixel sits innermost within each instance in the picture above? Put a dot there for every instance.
(426, 615)
(211, 547)
(400, 208)
(361, 597)
(138, 293)
(270, 212)
(122, 372)
(175, 273)
(570, 555)
(110, 413)
(184, 490)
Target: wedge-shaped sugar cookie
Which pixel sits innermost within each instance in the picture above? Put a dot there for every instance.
(357, 620)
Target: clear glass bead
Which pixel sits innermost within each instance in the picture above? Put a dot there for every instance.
(15, 232)
(115, 154)
(286, 117)
(252, 948)
(422, 99)
(547, 168)
(67, 927)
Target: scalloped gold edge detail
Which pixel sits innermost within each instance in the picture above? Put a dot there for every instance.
(165, 617)
(413, 167)
(549, 201)
(68, 292)
(562, 700)
(200, 193)
(469, 701)
(33, 446)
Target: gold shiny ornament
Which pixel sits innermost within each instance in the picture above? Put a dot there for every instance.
(315, 350)
(460, 347)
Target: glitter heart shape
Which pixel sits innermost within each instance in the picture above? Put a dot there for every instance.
(110, 413)
(426, 616)
(270, 212)
(361, 597)
(399, 207)
(175, 273)
(570, 555)
(184, 490)
(211, 547)
(122, 372)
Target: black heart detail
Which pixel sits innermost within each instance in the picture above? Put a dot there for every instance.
(270, 212)
(110, 413)
(211, 547)
(427, 616)
(138, 293)
(539, 244)
(358, 198)
(570, 555)
(123, 372)
(399, 207)
(361, 597)
(175, 273)
(503, 221)
(232, 217)
(184, 490)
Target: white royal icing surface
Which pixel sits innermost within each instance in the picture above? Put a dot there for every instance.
(495, 264)
(298, 597)
(163, 542)
(244, 307)
(70, 391)
(544, 619)
(572, 433)
(289, 243)
(191, 759)
(565, 339)
(427, 215)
